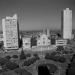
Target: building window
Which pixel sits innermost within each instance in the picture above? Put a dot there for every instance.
(43, 42)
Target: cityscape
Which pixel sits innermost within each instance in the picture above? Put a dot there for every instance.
(37, 52)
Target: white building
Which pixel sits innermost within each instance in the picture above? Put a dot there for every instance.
(61, 42)
(43, 40)
(26, 43)
(67, 24)
(10, 32)
(48, 32)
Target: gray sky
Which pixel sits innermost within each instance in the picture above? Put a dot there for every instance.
(36, 14)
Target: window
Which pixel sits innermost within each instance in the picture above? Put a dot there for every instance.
(43, 42)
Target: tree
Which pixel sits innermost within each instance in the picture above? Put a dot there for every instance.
(1, 45)
(59, 35)
(21, 42)
(22, 55)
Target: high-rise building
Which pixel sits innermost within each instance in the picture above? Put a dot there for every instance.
(67, 23)
(10, 32)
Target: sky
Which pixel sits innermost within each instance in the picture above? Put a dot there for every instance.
(36, 14)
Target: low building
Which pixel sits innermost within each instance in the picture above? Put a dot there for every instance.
(43, 40)
(61, 42)
(26, 43)
(53, 38)
(53, 41)
(33, 41)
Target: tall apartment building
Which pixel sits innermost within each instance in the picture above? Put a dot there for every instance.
(10, 32)
(67, 24)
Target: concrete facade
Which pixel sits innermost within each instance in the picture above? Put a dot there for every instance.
(61, 42)
(43, 40)
(10, 32)
(67, 24)
(26, 43)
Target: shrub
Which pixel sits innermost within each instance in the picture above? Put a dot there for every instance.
(65, 52)
(62, 59)
(14, 56)
(28, 55)
(48, 56)
(20, 71)
(30, 61)
(60, 48)
(36, 56)
(11, 65)
(55, 58)
(53, 53)
(3, 61)
(52, 68)
(8, 57)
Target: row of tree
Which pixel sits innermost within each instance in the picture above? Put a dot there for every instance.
(7, 64)
(52, 56)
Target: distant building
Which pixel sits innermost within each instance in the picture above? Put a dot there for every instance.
(48, 32)
(43, 40)
(67, 24)
(53, 39)
(61, 42)
(33, 41)
(10, 32)
(26, 42)
(1, 37)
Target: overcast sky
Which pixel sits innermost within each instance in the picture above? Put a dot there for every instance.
(36, 14)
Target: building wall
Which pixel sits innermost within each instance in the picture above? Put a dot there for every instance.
(43, 40)
(67, 24)
(53, 38)
(10, 32)
(1, 37)
(26, 43)
(61, 42)
(53, 41)
(33, 41)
